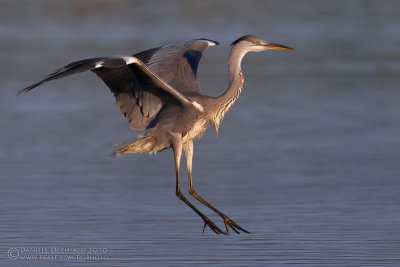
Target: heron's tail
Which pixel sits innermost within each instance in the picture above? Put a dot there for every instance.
(143, 145)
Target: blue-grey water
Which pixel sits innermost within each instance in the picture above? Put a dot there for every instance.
(307, 160)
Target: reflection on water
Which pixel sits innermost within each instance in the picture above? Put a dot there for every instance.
(307, 160)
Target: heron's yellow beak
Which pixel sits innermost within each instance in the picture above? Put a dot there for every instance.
(272, 46)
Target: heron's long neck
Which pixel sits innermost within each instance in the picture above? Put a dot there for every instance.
(231, 94)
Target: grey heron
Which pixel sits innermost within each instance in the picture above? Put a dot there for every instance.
(157, 92)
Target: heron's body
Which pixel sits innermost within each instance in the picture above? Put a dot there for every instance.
(174, 119)
(157, 91)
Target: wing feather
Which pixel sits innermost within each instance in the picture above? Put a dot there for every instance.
(177, 64)
(144, 83)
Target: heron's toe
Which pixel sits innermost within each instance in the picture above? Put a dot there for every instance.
(229, 223)
(213, 226)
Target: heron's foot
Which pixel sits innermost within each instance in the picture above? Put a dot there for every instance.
(213, 226)
(229, 223)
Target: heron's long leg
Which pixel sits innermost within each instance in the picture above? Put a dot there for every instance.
(188, 148)
(177, 147)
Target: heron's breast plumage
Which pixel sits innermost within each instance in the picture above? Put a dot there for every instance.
(196, 131)
(220, 114)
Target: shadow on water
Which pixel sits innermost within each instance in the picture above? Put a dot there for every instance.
(307, 159)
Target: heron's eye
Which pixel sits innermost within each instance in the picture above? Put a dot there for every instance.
(255, 42)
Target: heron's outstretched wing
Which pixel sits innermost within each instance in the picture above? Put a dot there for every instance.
(140, 94)
(177, 64)
(142, 90)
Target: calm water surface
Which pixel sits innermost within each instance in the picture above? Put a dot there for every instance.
(307, 159)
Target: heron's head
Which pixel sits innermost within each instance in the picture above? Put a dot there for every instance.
(250, 43)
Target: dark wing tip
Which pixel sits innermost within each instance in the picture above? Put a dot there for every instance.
(29, 88)
(209, 40)
(72, 68)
